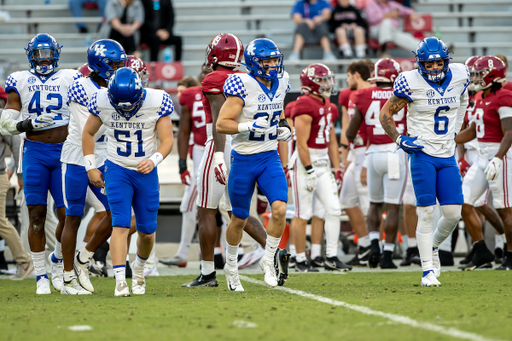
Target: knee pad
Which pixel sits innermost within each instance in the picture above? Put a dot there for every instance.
(425, 219)
(452, 213)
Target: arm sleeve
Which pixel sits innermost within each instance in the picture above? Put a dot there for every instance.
(234, 86)
(14, 144)
(92, 106)
(11, 84)
(9, 118)
(505, 112)
(402, 89)
(167, 107)
(79, 113)
(461, 111)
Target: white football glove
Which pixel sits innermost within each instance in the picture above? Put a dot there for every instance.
(284, 134)
(311, 180)
(259, 126)
(42, 121)
(493, 169)
(221, 171)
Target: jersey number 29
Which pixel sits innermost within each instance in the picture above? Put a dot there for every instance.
(273, 122)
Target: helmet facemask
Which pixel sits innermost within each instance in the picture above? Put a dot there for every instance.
(434, 75)
(46, 55)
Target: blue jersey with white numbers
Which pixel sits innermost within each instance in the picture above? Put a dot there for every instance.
(258, 102)
(43, 94)
(131, 140)
(434, 111)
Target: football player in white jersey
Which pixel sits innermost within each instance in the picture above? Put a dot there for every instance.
(254, 113)
(103, 57)
(133, 116)
(40, 96)
(437, 98)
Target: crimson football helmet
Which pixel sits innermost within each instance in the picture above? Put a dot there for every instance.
(469, 63)
(488, 70)
(84, 70)
(138, 65)
(317, 79)
(385, 70)
(225, 49)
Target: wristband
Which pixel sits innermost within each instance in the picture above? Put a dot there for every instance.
(309, 169)
(284, 123)
(90, 162)
(156, 158)
(218, 157)
(344, 146)
(183, 165)
(24, 126)
(243, 127)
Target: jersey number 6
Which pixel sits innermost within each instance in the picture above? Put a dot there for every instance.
(441, 122)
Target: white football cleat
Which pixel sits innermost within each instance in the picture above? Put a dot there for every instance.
(57, 273)
(73, 288)
(436, 263)
(251, 258)
(151, 272)
(43, 286)
(267, 266)
(429, 280)
(138, 281)
(122, 289)
(82, 272)
(232, 279)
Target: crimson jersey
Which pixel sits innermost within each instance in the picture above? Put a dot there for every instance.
(288, 109)
(213, 83)
(369, 102)
(507, 86)
(192, 99)
(362, 129)
(488, 113)
(323, 114)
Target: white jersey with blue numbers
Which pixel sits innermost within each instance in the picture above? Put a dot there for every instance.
(79, 94)
(132, 140)
(435, 114)
(258, 102)
(43, 94)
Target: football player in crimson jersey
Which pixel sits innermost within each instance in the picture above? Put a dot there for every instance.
(386, 169)
(492, 126)
(317, 148)
(506, 84)
(354, 195)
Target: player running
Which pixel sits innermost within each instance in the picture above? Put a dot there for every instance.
(133, 116)
(436, 96)
(253, 112)
(386, 169)
(40, 96)
(492, 126)
(103, 58)
(313, 116)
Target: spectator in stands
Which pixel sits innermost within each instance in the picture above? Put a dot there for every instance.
(348, 24)
(75, 6)
(382, 17)
(311, 18)
(158, 28)
(123, 18)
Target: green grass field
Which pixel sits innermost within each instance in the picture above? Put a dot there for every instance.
(479, 303)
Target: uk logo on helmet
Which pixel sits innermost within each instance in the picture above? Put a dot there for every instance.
(250, 49)
(100, 50)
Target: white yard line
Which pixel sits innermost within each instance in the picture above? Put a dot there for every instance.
(393, 317)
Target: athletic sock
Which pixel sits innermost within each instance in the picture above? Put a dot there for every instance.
(139, 261)
(332, 235)
(58, 250)
(316, 250)
(232, 256)
(364, 241)
(374, 235)
(207, 267)
(188, 228)
(217, 251)
(120, 273)
(39, 266)
(271, 247)
(389, 247)
(301, 257)
(84, 256)
(498, 239)
(293, 251)
(424, 236)
(412, 242)
(68, 276)
(360, 51)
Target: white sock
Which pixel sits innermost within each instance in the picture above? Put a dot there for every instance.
(316, 250)
(374, 235)
(188, 228)
(120, 273)
(69, 275)
(424, 235)
(389, 247)
(39, 266)
(498, 241)
(58, 250)
(139, 261)
(2, 245)
(364, 241)
(271, 247)
(293, 252)
(232, 255)
(84, 255)
(412, 242)
(217, 251)
(301, 257)
(82, 245)
(451, 215)
(207, 267)
(446, 245)
(360, 51)
(347, 50)
(127, 257)
(332, 235)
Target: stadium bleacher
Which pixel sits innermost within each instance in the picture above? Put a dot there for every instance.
(463, 24)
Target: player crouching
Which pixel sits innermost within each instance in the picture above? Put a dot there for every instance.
(132, 116)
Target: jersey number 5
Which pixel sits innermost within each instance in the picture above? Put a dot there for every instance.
(441, 122)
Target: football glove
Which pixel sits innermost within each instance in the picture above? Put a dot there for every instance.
(493, 169)
(310, 179)
(184, 173)
(408, 145)
(41, 121)
(287, 175)
(463, 166)
(284, 132)
(221, 172)
(338, 176)
(259, 126)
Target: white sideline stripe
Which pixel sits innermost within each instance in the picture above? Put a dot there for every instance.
(395, 318)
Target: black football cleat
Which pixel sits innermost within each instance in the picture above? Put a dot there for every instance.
(128, 270)
(386, 262)
(482, 258)
(98, 269)
(292, 262)
(409, 255)
(468, 258)
(374, 259)
(334, 264)
(361, 257)
(305, 267)
(218, 261)
(498, 255)
(446, 258)
(281, 261)
(506, 264)
(318, 262)
(203, 281)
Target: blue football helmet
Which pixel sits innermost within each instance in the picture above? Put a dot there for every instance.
(259, 50)
(43, 47)
(125, 91)
(106, 56)
(431, 49)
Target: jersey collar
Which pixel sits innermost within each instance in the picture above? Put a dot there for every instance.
(269, 92)
(43, 78)
(441, 89)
